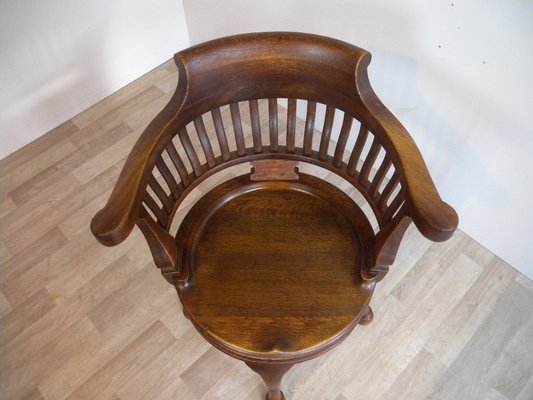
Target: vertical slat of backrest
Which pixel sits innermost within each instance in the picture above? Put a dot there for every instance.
(256, 126)
(369, 161)
(309, 127)
(178, 163)
(393, 207)
(162, 218)
(326, 133)
(387, 191)
(191, 153)
(221, 133)
(273, 124)
(380, 175)
(149, 212)
(387, 197)
(237, 128)
(160, 193)
(343, 139)
(204, 141)
(357, 150)
(291, 125)
(168, 177)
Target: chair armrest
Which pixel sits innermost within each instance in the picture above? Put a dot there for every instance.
(434, 218)
(112, 224)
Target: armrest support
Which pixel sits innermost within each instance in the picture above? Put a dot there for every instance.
(163, 248)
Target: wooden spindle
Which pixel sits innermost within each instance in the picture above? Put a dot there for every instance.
(237, 128)
(380, 175)
(291, 125)
(160, 193)
(343, 139)
(387, 191)
(204, 141)
(369, 161)
(191, 153)
(221, 134)
(309, 127)
(357, 150)
(178, 163)
(326, 133)
(273, 123)
(162, 218)
(168, 177)
(393, 207)
(256, 126)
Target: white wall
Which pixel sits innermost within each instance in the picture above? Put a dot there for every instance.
(457, 73)
(58, 57)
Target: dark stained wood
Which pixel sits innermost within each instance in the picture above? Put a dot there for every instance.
(326, 132)
(221, 134)
(256, 126)
(368, 316)
(237, 128)
(189, 150)
(161, 217)
(393, 182)
(394, 206)
(274, 170)
(309, 128)
(163, 248)
(370, 159)
(273, 123)
(272, 375)
(160, 193)
(380, 175)
(239, 244)
(178, 163)
(204, 141)
(274, 267)
(343, 138)
(291, 125)
(387, 243)
(169, 178)
(355, 156)
(239, 68)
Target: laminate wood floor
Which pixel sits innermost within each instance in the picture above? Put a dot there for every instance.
(82, 321)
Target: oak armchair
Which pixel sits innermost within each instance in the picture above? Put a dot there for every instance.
(275, 266)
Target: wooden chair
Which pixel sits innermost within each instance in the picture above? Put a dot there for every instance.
(274, 267)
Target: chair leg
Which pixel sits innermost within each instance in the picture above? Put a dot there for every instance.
(367, 317)
(272, 375)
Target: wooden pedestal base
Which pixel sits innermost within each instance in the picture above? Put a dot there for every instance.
(272, 375)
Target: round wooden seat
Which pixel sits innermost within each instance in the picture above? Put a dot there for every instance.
(275, 267)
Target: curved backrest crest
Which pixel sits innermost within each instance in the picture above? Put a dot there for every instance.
(270, 65)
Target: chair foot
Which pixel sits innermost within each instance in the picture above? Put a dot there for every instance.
(367, 317)
(270, 397)
(272, 375)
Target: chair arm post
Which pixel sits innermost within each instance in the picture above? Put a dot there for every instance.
(387, 244)
(163, 248)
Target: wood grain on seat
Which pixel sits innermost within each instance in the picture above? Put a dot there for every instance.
(275, 267)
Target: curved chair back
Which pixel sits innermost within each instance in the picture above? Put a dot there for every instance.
(188, 141)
